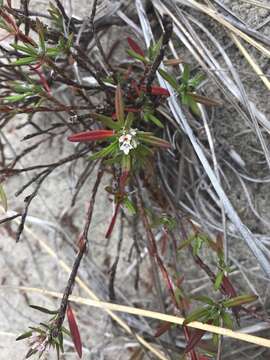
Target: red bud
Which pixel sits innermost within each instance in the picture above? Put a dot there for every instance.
(74, 331)
(156, 90)
(91, 135)
(135, 47)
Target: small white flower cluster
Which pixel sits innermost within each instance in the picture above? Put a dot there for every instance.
(127, 141)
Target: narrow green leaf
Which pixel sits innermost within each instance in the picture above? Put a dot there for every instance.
(129, 206)
(186, 73)
(153, 119)
(169, 78)
(136, 56)
(197, 244)
(105, 152)
(239, 300)
(44, 310)
(40, 30)
(196, 315)
(218, 280)
(185, 98)
(204, 299)
(61, 341)
(126, 163)
(25, 49)
(227, 319)
(52, 52)
(156, 49)
(21, 88)
(15, 98)
(215, 339)
(65, 330)
(196, 80)
(24, 61)
(3, 198)
(24, 335)
(193, 106)
(107, 121)
(129, 120)
(38, 330)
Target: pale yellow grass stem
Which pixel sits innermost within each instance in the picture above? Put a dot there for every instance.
(154, 315)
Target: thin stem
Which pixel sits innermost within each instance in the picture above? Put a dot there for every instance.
(82, 249)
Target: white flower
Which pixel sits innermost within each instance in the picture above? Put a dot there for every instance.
(127, 141)
(133, 132)
(125, 138)
(126, 147)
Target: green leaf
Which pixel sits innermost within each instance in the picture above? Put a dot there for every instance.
(218, 280)
(129, 120)
(65, 331)
(24, 335)
(204, 299)
(136, 56)
(197, 244)
(155, 49)
(196, 315)
(227, 319)
(193, 106)
(126, 163)
(153, 119)
(15, 98)
(24, 61)
(105, 152)
(239, 300)
(61, 341)
(186, 74)
(38, 330)
(44, 310)
(30, 51)
(40, 30)
(196, 80)
(185, 98)
(129, 206)
(53, 52)
(169, 78)
(21, 88)
(107, 121)
(3, 198)
(215, 339)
